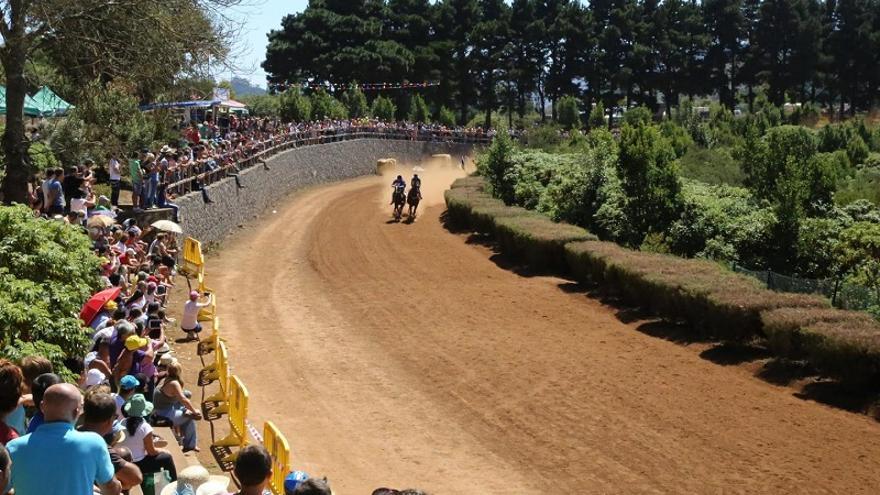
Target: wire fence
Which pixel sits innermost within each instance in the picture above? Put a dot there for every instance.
(842, 295)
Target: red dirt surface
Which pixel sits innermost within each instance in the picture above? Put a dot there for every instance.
(402, 355)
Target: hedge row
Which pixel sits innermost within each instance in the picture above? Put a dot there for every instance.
(525, 234)
(716, 302)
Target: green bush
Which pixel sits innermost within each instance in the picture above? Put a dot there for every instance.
(857, 150)
(294, 106)
(545, 137)
(383, 109)
(567, 113)
(596, 119)
(446, 117)
(418, 110)
(355, 102)
(47, 272)
(713, 166)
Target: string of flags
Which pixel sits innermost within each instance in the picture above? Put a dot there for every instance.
(363, 86)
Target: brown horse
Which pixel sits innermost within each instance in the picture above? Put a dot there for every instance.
(412, 199)
(399, 199)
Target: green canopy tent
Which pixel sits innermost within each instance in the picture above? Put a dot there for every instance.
(50, 104)
(31, 108)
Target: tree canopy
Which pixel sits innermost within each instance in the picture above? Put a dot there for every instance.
(488, 55)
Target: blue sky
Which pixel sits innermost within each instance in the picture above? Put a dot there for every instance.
(259, 16)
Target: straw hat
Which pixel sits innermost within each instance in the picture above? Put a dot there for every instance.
(195, 477)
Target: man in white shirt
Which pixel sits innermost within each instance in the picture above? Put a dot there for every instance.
(189, 323)
(115, 169)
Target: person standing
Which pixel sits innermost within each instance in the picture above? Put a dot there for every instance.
(137, 180)
(56, 194)
(115, 169)
(78, 460)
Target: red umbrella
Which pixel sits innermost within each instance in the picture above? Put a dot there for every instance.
(96, 304)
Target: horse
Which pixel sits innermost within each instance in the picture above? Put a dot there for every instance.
(412, 199)
(399, 199)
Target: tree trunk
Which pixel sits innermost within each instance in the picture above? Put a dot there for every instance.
(541, 97)
(15, 146)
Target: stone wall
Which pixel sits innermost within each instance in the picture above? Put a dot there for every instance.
(288, 172)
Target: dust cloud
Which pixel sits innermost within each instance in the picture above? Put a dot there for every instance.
(437, 174)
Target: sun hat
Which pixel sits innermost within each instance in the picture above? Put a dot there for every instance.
(193, 295)
(167, 360)
(135, 342)
(293, 480)
(129, 382)
(192, 478)
(94, 377)
(214, 487)
(138, 406)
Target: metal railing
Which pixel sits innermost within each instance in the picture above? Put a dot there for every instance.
(193, 177)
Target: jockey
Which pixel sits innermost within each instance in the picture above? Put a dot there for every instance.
(399, 185)
(416, 181)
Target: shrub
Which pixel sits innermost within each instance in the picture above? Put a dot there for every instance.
(716, 302)
(537, 239)
(546, 137)
(637, 116)
(446, 117)
(294, 107)
(841, 344)
(714, 166)
(355, 102)
(597, 116)
(522, 233)
(567, 113)
(383, 109)
(418, 110)
(47, 272)
(857, 150)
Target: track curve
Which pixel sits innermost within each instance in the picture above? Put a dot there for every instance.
(401, 355)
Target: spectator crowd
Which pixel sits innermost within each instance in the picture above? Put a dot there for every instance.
(97, 433)
(204, 154)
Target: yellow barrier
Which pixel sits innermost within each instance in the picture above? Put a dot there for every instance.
(210, 311)
(193, 261)
(279, 449)
(211, 344)
(220, 374)
(238, 410)
(203, 288)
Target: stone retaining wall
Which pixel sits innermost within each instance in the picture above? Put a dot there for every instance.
(290, 171)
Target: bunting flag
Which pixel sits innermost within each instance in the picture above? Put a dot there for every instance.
(364, 87)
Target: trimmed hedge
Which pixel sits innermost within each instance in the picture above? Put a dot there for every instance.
(522, 233)
(842, 344)
(715, 301)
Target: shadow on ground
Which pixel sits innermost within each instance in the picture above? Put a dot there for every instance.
(798, 376)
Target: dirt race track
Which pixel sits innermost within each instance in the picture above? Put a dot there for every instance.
(403, 355)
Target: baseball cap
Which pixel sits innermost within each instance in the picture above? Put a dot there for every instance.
(293, 480)
(134, 342)
(129, 382)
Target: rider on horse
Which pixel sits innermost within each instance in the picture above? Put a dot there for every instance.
(399, 185)
(416, 189)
